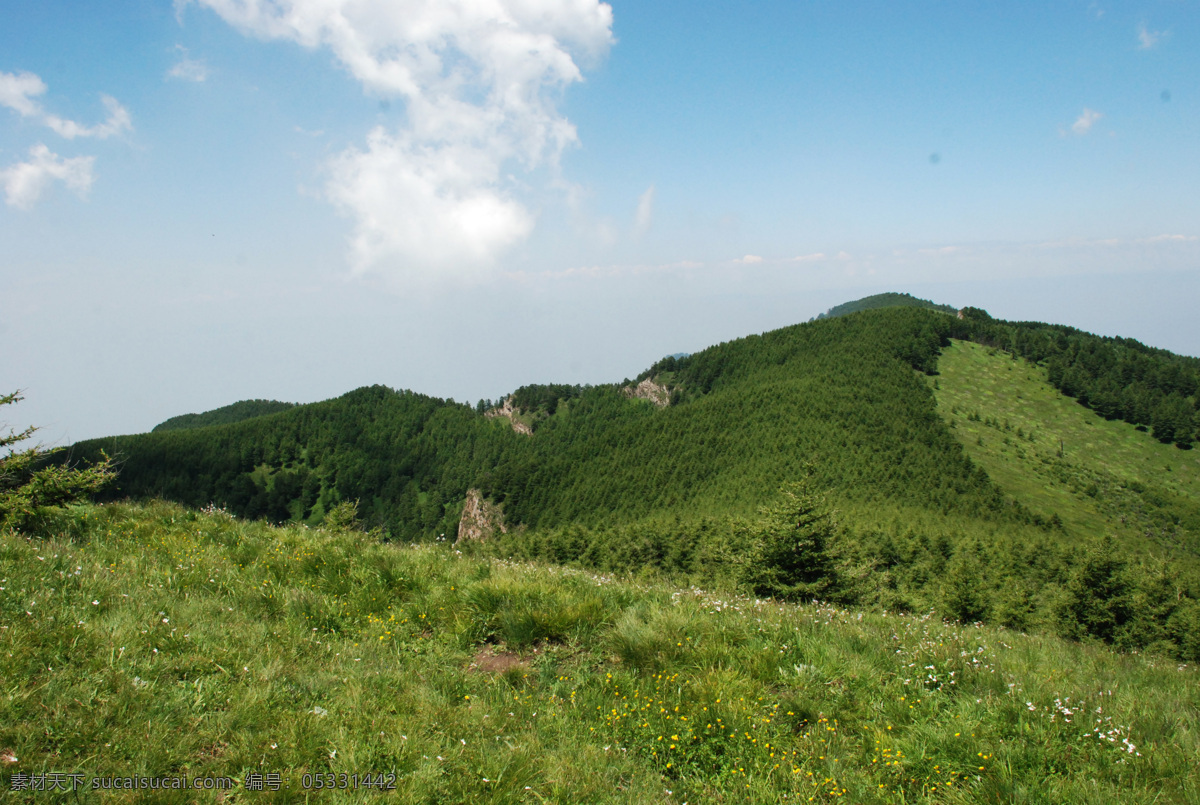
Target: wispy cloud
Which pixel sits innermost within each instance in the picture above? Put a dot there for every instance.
(118, 121)
(1147, 39)
(645, 212)
(188, 69)
(18, 92)
(1169, 239)
(25, 182)
(808, 258)
(1083, 124)
(480, 82)
(749, 260)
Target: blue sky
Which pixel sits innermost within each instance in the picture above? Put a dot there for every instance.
(223, 199)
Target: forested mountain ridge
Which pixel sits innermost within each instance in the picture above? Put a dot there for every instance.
(883, 300)
(841, 392)
(837, 393)
(225, 415)
(610, 481)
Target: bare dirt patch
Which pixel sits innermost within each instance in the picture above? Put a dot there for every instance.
(490, 660)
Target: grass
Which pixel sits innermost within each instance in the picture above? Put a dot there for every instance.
(156, 641)
(1058, 457)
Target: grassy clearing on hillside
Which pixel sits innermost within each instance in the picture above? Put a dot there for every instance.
(152, 640)
(1057, 457)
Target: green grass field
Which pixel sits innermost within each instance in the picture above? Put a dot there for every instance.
(1058, 457)
(153, 640)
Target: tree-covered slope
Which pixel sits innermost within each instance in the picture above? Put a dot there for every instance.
(396, 452)
(749, 415)
(605, 479)
(883, 300)
(746, 416)
(236, 412)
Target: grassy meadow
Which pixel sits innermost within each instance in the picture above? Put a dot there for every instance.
(153, 640)
(1057, 457)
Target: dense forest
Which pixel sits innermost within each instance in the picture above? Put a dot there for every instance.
(883, 300)
(843, 405)
(237, 412)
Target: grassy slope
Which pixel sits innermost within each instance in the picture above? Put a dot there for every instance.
(1110, 478)
(155, 640)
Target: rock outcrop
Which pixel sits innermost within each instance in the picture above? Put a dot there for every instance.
(649, 390)
(506, 409)
(480, 518)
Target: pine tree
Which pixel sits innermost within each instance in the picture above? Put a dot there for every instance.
(790, 556)
(1099, 599)
(29, 486)
(963, 593)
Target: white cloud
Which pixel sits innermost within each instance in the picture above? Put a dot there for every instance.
(749, 260)
(117, 122)
(1083, 124)
(25, 182)
(437, 208)
(17, 92)
(480, 80)
(808, 258)
(1147, 38)
(645, 211)
(188, 69)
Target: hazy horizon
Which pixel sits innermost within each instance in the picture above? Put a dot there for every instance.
(218, 200)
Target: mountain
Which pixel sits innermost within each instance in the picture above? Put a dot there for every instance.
(1015, 472)
(237, 412)
(883, 300)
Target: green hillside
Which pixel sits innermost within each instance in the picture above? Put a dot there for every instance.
(156, 641)
(237, 412)
(983, 509)
(749, 415)
(406, 457)
(1060, 459)
(935, 505)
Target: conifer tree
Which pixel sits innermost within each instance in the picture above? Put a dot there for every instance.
(29, 489)
(1099, 599)
(789, 555)
(963, 593)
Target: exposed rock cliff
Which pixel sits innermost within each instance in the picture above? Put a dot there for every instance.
(649, 390)
(480, 518)
(507, 410)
